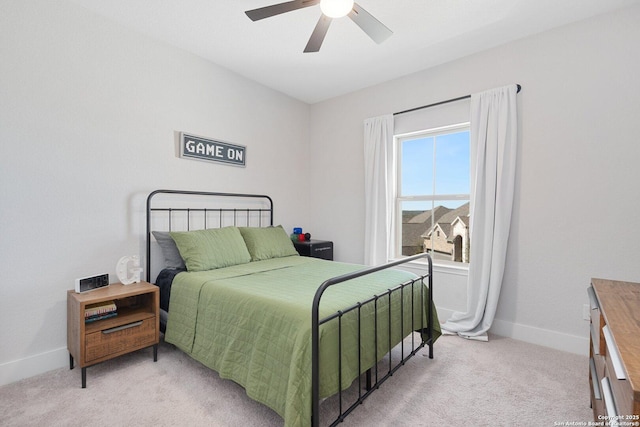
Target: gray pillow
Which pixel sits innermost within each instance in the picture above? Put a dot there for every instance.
(172, 258)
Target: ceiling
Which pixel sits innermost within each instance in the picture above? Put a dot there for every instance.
(426, 33)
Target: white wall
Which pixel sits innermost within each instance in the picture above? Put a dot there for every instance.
(577, 196)
(88, 112)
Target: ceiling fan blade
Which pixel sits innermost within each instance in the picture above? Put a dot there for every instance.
(317, 37)
(370, 25)
(277, 9)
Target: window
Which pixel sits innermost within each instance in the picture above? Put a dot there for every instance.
(432, 196)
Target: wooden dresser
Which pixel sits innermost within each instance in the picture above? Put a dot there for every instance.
(614, 373)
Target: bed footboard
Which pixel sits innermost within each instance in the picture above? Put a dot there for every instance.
(426, 333)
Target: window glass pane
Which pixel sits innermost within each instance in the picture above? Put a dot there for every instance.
(452, 163)
(416, 220)
(434, 173)
(440, 228)
(417, 166)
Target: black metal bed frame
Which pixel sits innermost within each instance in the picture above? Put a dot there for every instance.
(316, 322)
(205, 212)
(371, 373)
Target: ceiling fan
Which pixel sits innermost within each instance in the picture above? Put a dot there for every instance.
(330, 9)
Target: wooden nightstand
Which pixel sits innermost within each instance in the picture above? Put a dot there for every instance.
(136, 325)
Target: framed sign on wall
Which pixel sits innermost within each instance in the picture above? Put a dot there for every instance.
(201, 148)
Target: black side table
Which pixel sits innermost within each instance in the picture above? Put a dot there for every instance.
(315, 248)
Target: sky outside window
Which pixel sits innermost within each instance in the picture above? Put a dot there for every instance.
(451, 165)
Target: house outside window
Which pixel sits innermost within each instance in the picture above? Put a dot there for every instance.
(432, 196)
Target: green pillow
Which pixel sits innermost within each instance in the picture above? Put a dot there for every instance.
(266, 243)
(212, 248)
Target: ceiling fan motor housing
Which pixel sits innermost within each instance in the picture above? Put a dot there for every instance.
(336, 8)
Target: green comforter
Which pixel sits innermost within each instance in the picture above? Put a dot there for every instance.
(252, 324)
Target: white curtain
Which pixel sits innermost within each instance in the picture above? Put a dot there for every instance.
(493, 166)
(379, 178)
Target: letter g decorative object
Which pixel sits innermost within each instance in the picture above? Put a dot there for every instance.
(128, 269)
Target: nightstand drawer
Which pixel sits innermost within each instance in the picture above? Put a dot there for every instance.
(120, 339)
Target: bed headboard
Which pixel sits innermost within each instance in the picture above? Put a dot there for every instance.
(182, 210)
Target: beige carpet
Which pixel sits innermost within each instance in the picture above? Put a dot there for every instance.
(500, 383)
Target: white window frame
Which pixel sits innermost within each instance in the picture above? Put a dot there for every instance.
(449, 266)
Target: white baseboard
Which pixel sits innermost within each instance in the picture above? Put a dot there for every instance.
(24, 368)
(545, 337)
(33, 365)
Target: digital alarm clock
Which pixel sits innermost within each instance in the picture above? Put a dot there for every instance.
(92, 282)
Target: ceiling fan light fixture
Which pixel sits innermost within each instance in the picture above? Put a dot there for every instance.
(336, 8)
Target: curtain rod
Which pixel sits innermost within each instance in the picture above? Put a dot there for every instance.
(442, 102)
